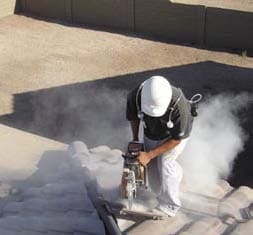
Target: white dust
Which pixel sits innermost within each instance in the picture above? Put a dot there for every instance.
(216, 140)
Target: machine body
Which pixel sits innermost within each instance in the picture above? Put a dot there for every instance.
(134, 174)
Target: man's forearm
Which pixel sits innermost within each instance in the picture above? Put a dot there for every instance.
(135, 129)
(168, 145)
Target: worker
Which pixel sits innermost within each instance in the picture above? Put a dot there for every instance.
(162, 114)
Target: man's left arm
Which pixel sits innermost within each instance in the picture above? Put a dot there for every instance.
(146, 157)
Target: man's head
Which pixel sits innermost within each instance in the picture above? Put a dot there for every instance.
(156, 96)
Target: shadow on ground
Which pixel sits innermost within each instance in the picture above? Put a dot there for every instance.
(94, 111)
(47, 168)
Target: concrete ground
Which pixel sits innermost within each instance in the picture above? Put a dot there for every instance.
(21, 153)
(68, 82)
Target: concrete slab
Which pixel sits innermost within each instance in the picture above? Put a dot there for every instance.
(243, 228)
(208, 226)
(239, 199)
(7, 7)
(161, 227)
(21, 152)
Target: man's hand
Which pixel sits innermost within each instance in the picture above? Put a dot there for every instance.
(144, 158)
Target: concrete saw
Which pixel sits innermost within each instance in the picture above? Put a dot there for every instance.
(134, 174)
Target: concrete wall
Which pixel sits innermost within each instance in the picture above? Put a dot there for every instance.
(177, 22)
(229, 28)
(46, 8)
(112, 13)
(184, 23)
(7, 7)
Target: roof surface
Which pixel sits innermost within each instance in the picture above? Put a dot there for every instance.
(41, 191)
(53, 199)
(216, 211)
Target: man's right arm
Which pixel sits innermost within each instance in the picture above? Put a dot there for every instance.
(131, 114)
(135, 129)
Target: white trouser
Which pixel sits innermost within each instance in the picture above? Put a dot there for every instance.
(164, 173)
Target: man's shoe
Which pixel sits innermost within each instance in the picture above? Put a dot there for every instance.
(169, 210)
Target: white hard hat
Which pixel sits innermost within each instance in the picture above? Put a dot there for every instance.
(156, 96)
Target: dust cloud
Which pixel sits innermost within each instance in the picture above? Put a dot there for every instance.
(216, 140)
